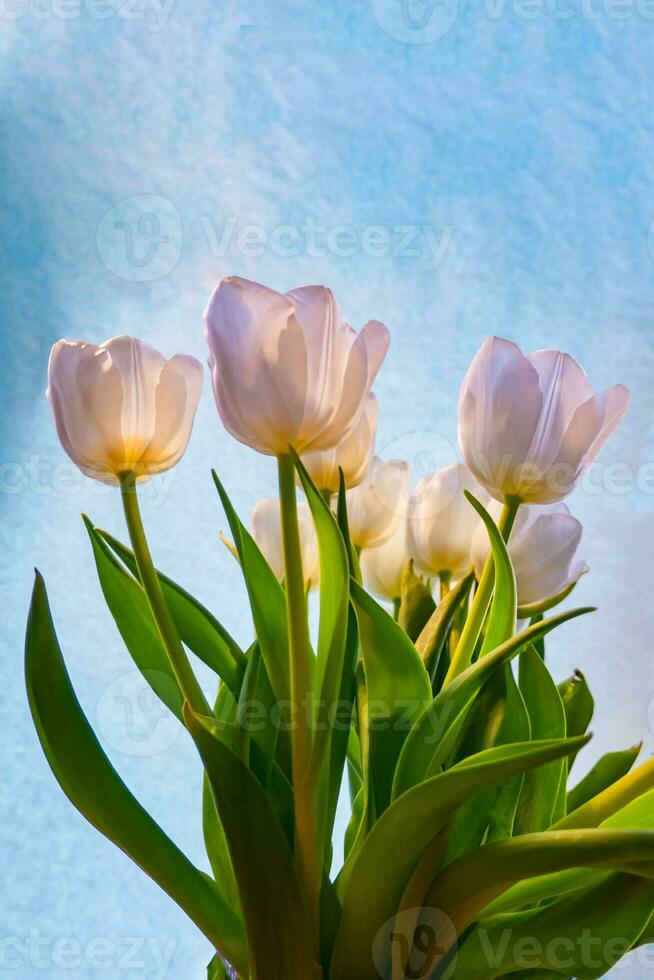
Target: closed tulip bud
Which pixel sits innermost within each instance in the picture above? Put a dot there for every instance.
(529, 427)
(376, 506)
(286, 368)
(382, 567)
(122, 407)
(542, 548)
(266, 530)
(353, 455)
(442, 522)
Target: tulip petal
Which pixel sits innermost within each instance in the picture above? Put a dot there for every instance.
(543, 556)
(499, 408)
(614, 403)
(176, 400)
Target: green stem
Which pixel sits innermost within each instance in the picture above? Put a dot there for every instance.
(307, 848)
(475, 621)
(152, 587)
(396, 608)
(445, 580)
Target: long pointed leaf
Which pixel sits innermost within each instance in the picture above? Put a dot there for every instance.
(92, 785)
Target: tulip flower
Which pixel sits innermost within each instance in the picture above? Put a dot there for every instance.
(375, 507)
(442, 522)
(382, 567)
(265, 525)
(542, 549)
(122, 407)
(353, 455)
(530, 427)
(287, 369)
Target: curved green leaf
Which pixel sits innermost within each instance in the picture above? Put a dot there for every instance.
(416, 603)
(198, 628)
(398, 688)
(605, 772)
(583, 935)
(427, 744)
(278, 930)
(431, 641)
(267, 600)
(381, 867)
(542, 800)
(92, 785)
(502, 616)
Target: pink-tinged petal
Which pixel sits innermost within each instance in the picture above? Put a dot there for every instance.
(442, 523)
(543, 556)
(614, 403)
(377, 340)
(350, 399)
(499, 408)
(139, 367)
(564, 387)
(177, 397)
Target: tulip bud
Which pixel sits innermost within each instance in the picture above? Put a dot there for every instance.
(530, 427)
(382, 567)
(286, 368)
(375, 507)
(442, 522)
(542, 548)
(122, 407)
(353, 455)
(266, 530)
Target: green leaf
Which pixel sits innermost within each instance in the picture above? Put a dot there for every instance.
(542, 800)
(416, 603)
(378, 871)
(397, 684)
(130, 609)
(278, 930)
(502, 616)
(581, 931)
(431, 641)
(267, 601)
(611, 800)
(217, 970)
(538, 608)
(198, 628)
(341, 517)
(428, 745)
(466, 886)
(490, 814)
(92, 785)
(605, 772)
(578, 705)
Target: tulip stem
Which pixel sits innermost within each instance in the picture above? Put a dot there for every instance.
(179, 661)
(444, 580)
(307, 849)
(473, 625)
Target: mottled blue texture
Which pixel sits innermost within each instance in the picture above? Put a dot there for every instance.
(524, 143)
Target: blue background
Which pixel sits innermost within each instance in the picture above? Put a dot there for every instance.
(520, 137)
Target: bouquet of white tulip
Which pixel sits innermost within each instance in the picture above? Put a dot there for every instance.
(466, 855)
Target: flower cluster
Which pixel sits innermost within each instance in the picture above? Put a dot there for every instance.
(457, 768)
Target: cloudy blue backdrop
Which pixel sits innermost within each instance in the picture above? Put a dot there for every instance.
(454, 170)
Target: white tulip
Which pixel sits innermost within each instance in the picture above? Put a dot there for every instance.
(529, 427)
(286, 368)
(265, 525)
(376, 506)
(542, 548)
(382, 567)
(442, 522)
(353, 455)
(122, 407)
